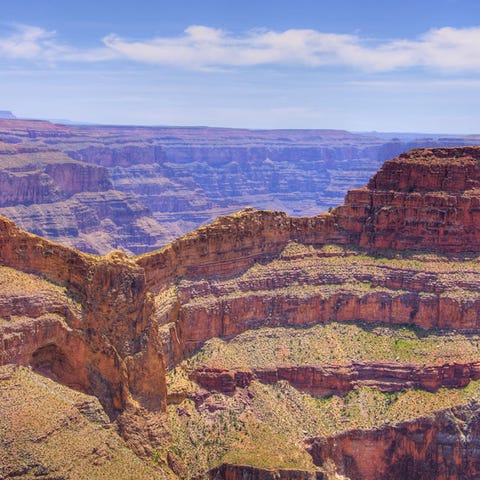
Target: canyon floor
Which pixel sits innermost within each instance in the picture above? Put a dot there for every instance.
(259, 346)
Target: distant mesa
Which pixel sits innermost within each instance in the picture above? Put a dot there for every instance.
(7, 114)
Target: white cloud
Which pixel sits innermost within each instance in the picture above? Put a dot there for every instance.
(36, 44)
(27, 43)
(444, 49)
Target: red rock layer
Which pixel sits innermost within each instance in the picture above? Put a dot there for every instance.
(112, 349)
(243, 472)
(233, 243)
(425, 199)
(327, 380)
(444, 447)
(442, 216)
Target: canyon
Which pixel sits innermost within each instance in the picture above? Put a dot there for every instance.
(261, 345)
(150, 185)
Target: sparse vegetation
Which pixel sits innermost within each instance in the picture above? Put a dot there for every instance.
(334, 343)
(247, 427)
(47, 429)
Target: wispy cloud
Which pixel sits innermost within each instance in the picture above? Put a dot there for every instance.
(199, 47)
(29, 43)
(38, 45)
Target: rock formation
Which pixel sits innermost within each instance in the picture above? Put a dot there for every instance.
(7, 114)
(170, 180)
(328, 380)
(137, 333)
(441, 447)
(50, 194)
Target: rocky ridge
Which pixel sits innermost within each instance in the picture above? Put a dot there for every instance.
(170, 180)
(112, 326)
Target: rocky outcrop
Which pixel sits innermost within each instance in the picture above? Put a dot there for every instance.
(244, 472)
(112, 348)
(425, 199)
(221, 379)
(442, 447)
(325, 380)
(384, 216)
(186, 177)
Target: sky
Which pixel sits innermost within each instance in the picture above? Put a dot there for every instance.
(396, 66)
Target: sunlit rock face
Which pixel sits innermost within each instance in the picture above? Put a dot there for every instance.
(260, 345)
(153, 184)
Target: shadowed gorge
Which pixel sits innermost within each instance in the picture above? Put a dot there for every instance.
(327, 340)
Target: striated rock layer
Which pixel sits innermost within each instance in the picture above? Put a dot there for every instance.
(104, 342)
(110, 326)
(328, 380)
(184, 177)
(48, 193)
(440, 448)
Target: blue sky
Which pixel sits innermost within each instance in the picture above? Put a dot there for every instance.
(356, 65)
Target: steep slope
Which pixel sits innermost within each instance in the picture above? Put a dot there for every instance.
(50, 431)
(365, 340)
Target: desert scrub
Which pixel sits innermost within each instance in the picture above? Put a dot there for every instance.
(334, 343)
(41, 420)
(247, 427)
(201, 437)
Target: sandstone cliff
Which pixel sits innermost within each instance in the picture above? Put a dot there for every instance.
(135, 333)
(443, 447)
(423, 199)
(104, 344)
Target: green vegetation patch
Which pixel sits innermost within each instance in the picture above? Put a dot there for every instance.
(335, 343)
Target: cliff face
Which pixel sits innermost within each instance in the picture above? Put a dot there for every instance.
(443, 447)
(112, 326)
(185, 177)
(104, 345)
(425, 199)
(50, 194)
(328, 380)
(40, 175)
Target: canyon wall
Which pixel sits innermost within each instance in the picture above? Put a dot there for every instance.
(339, 379)
(42, 175)
(48, 193)
(444, 447)
(169, 180)
(110, 342)
(425, 199)
(112, 325)
(116, 289)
